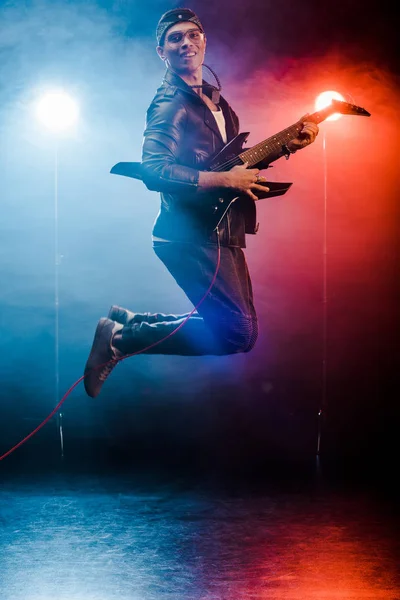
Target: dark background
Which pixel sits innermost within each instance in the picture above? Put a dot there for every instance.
(241, 414)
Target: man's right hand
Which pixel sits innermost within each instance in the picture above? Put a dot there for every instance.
(240, 178)
(245, 180)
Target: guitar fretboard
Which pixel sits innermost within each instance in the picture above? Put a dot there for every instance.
(271, 146)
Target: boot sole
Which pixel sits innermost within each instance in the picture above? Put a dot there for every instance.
(96, 343)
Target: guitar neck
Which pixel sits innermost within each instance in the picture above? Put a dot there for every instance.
(273, 145)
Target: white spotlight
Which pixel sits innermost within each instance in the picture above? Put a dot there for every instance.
(57, 111)
(325, 99)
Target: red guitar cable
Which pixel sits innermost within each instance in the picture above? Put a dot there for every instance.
(68, 392)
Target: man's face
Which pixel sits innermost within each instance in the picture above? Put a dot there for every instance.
(184, 47)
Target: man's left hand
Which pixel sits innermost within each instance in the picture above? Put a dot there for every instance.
(306, 136)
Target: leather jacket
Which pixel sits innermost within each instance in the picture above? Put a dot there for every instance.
(180, 137)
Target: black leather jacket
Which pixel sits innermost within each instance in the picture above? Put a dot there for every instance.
(181, 135)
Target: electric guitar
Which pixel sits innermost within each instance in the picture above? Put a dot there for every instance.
(232, 154)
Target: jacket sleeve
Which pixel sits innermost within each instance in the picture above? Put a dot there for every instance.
(165, 126)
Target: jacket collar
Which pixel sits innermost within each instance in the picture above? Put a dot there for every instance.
(174, 80)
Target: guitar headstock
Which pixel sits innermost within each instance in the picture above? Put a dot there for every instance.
(345, 108)
(338, 107)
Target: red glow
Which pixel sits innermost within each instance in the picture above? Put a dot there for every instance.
(325, 99)
(285, 257)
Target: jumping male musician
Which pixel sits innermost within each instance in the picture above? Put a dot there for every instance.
(188, 122)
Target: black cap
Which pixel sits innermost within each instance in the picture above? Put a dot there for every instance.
(176, 15)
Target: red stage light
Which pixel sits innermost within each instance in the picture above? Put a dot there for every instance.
(325, 99)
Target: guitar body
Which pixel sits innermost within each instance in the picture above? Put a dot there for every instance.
(227, 158)
(233, 154)
(222, 203)
(229, 153)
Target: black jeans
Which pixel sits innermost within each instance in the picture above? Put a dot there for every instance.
(226, 321)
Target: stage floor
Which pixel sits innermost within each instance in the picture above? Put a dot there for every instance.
(93, 537)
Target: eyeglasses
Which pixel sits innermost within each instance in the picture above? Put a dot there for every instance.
(177, 37)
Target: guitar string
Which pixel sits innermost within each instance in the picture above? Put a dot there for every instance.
(316, 117)
(261, 145)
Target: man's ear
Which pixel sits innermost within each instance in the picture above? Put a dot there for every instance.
(160, 52)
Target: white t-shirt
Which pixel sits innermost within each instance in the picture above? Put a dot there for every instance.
(220, 119)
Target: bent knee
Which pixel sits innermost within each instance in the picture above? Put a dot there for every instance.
(252, 338)
(240, 337)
